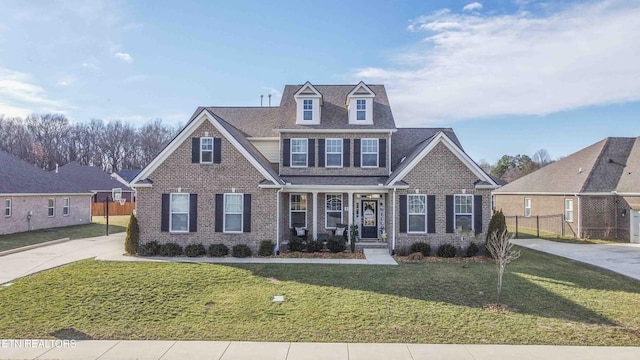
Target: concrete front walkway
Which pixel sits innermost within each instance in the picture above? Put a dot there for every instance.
(226, 350)
(621, 258)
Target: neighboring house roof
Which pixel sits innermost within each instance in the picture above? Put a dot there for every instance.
(89, 178)
(596, 168)
(128, 175)
(19, 177)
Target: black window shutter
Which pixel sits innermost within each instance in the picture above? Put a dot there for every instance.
(311, 143)
(403, 213)
(164, 222)
(217, 150)
(320, 152)
(431, 214)
(246, 214)
(195, 150)
(219, 212)
(382, 153)
(477, 214)
(449, 217)
(286, 152)
(356, 152)
(346, 152)
(193, 212)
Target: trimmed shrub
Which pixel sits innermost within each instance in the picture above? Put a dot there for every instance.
(195, 250)
(266, 248)
(336, 244)
(133, 236)
(171, 249)
(472, 250)
(447, 251)
(421, 247)
(218, 250)
(149, 249)
(403, 251)
(314, 246)
(241, 251)
(498, 224)
(296, 244)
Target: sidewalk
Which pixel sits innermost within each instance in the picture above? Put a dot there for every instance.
(234, 350)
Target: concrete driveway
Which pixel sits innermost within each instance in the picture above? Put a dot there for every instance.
(621, 258)
(28, 262)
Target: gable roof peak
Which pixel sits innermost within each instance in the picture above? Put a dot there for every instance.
(360, 90)
(308, 90)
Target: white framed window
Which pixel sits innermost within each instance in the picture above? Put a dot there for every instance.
(51, 207)
(568, 210)
(361, 109)
(333, 211)
(66, 207)
(7, 208)
(369, 153)
(417, 213)
(298, 209)
(179, 216)
(206, 150)
(527, 207)
(463, 212)
(333, 152)
(299, 149)
(307, 109)
(233, 210)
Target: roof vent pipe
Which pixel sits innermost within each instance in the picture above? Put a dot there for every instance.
(261, 96)
(269, 100)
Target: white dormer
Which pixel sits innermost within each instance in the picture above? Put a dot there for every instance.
(360, 105)
(309, 102)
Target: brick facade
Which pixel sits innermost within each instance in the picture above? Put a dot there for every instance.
(38, 205)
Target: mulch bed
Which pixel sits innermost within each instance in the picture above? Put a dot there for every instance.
(321, 255)
(436, 259)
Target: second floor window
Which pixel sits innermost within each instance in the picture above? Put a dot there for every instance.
(206, 150)
(307, 108)
(361, 109)
(333, 152)
(369, 152)
(298, 152)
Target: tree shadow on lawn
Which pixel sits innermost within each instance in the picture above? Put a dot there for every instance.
(528, 288)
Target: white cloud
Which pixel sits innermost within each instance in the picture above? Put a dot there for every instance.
(124, 57)
(21, 96)
(67, 80)
(473, 6)
(471, 66)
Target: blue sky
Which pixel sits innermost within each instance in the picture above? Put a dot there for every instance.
(508, 76)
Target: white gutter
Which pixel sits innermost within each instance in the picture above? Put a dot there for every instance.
(393, 222)
(579, 216)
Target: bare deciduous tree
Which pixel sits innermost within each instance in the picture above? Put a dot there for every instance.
(501, 249)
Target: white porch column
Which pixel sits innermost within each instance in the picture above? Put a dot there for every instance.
(350, 216)
(315, 214)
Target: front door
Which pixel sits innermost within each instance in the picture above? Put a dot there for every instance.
(635, 226)
(369, 211)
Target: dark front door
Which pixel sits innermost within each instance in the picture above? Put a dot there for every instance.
(369, 213)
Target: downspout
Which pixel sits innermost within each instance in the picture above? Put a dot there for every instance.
(579, 216)
(278, 218)
(393, 222)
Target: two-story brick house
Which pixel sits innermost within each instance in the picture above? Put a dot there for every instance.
(329, 154)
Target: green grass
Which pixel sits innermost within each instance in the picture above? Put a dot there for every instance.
(552, 301)
(531, 233)
(96, 228)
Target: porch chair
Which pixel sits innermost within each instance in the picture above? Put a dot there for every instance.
(298, 230)
(342, 228)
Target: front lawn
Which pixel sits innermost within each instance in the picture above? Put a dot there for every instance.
(96, 228)
(552, 301)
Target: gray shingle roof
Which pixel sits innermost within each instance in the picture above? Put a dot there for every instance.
(251, 121)
(405, 140)
(596, 168)
(89, 178)
(128, 175)
(20, 177)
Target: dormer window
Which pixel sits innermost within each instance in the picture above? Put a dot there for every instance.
(307, 109)
(360, 105)
(361, 109)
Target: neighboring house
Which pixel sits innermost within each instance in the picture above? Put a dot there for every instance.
(125, 176)
(328, 155)
(94, 180)
(595, 192)
(33, 199)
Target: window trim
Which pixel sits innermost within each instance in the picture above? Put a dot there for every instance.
(224, 213)
(567, 210)
(455, 213)
(171, 213)
(527, 209)
(327, 153)
(306, 153)
(8, 206)
(305, 110)
(363, 111)
(362, 153)
(424, 196)
(327, 211)
(51, 209)
(297, 211)
(66, 206)
(202, 151)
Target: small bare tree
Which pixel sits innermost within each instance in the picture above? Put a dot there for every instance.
(501, 249)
